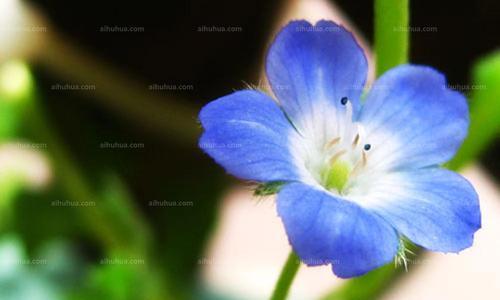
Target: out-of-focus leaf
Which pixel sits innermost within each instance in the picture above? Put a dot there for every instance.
(16, 85)
(120, 275)
(187, 222)
(36, 277)
(119, 208)
(114, 282)
(36, 219)
(484, 112)
(368, 286)
(9, 188)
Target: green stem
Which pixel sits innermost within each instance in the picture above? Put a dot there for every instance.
(391, 49)
(286, 277)
(391, 34)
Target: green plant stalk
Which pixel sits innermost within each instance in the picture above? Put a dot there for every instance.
(391, 34)
(287, 275)
(391, 49)
(485, 110)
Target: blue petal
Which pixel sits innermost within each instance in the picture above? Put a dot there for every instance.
(412, 119)
(435, 208)
(324, 229)
(247, 133)
(316, 65)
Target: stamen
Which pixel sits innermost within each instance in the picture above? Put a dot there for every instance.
(332, 143)
(337, 155)
(344, 100)
(356, 169)
(356, 140)
(359, 164)
(367, 147)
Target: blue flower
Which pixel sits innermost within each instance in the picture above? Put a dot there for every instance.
(359, 176)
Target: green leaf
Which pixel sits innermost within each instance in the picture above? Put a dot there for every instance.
(119, 208)
(368, 286)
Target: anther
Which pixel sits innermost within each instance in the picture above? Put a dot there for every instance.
(336, 156)
(332, 143)
(344, 100)
(367, 147)
(356, 140)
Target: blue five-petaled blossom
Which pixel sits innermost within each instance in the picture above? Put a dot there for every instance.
(358, 176)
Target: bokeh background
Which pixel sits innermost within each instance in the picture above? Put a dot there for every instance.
(103, 191)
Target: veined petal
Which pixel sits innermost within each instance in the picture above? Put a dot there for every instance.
(247, 133)
(311, 68)
(323, 229)
(435, 208)
(412, 119)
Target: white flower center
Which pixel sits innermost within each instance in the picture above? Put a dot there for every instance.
(344, 158)
(336, 157)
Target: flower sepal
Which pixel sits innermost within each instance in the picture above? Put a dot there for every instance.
(268, 188)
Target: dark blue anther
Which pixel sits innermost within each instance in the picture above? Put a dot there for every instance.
(344, 100)
(367, 147)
